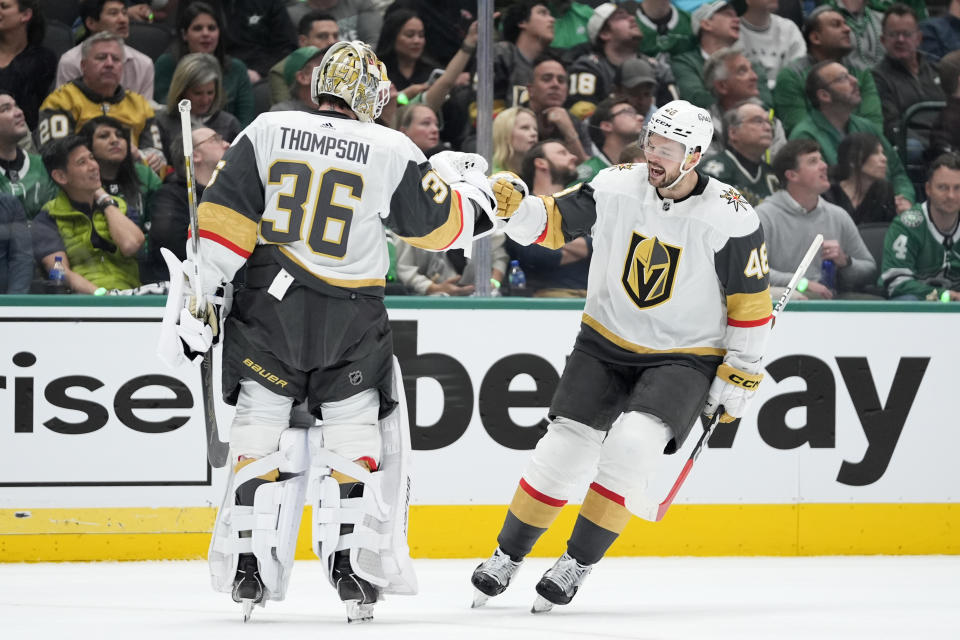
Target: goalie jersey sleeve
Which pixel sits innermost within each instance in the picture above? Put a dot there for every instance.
(320, 188)
(680, 278)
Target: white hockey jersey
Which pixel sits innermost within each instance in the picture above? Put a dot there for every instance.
(320, 187)
(686, 278)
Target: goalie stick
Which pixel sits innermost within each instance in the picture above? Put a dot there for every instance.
(217, 450)
(651, 511)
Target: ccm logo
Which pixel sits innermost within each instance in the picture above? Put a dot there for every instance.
(740, 381)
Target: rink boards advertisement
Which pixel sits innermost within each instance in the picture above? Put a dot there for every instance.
(848, 447)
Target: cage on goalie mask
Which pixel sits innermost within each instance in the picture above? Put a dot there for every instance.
(351, 71)
(685, 123)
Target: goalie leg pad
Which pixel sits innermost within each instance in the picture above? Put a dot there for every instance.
(378, 541)
(350, 427)
(261, 417)
(268, 528)
(564, 458)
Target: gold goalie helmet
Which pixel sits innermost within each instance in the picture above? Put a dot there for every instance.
(352, 72)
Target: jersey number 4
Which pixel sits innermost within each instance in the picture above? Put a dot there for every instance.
(330, 223)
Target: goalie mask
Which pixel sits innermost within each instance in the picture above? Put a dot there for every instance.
(351, 71)
(685, 123)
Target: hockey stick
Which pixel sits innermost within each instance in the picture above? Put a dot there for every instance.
(644, 508)
(217, 450)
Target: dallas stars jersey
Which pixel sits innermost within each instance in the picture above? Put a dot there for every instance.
(756, 186)
(917, 258)
(68, 108)
(683, 278)
(676, 36)
(319, 187)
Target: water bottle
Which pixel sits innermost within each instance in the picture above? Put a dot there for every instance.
(516, 279)
(58, 277)
(828, 275)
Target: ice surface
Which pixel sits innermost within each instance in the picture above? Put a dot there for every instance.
(746, 598)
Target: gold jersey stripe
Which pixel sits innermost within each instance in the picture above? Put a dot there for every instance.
(553, 233)
(228, 224)
(604, 512)
(531, 511)
(444, 235)
(269, 476)
(746, 307)
(337, 282)
(636, 348)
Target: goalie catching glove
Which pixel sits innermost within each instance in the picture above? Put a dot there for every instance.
(509, 190)
(185, 333)
(733, 387)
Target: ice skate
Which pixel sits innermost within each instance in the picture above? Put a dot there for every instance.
(492, 577)
(356, 593)
(560, 583)
(247, 586)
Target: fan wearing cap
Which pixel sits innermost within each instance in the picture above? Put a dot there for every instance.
(666, 29)
(297, 71)
(716, 25)
(677, 301)
(615, 37)
(638, 85)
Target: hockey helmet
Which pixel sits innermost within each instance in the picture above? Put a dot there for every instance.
(685, 123)
(351, 71)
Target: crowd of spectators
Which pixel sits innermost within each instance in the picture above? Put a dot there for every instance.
(829, 116)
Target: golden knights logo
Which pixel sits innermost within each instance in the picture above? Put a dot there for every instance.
(650, 271)
(732, 196)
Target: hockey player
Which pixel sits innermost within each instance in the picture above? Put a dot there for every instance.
(675, 323)
(301, 199)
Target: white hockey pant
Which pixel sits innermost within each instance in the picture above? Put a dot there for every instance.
(377, 543)
(623, 460)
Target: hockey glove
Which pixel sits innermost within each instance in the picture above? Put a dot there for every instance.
(733, 387)
(509, 190)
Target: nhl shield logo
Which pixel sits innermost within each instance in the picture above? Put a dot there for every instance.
(355, 377)
(650, 271)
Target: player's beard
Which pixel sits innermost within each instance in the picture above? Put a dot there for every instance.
(666, 178)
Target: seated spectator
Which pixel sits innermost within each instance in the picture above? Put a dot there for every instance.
(570, 38)
(614, 125)
(446, 273)
(769, 39)
(921, 251)
(16, 251)
(864, 22)
(666, 29)
(401, 48)
(527, 32)
(110, 16)
(99, 92)
(315, 29)
(731, 79)
(356, 19)
(941, 35)
(858, 182)
(198, 78)
(22, 174)
(945, 133)
(298, 73)
(615, 36)
(834, 94)
(547, 92)
(170, 208)
(793, 216)
(716, 26)
(27, 67)
(904, 77)
(419, 123)
(199, 31)
(747, 135)
(120, 175)
(638, 85)
(552, 273)
(84, 225)
(257, 32)
(514, 133)
(828, 38)
(445, 24)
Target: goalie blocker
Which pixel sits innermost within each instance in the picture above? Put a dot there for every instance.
(377, 545)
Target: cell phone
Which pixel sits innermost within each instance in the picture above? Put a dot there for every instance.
(434, 76)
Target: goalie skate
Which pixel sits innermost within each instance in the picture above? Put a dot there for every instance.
(247, 586)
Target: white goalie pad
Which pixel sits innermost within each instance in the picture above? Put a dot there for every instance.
(273, 521)
(378, 544)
